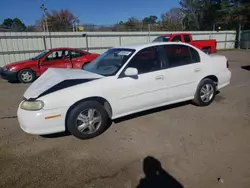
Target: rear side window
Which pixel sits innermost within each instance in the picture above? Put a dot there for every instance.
(76, 54)
(177, 38)
(187, 38)
(180, 55)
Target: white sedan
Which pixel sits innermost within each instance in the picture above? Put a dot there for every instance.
(122, 81)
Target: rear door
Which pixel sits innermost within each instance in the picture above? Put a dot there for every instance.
(183, 71)
(56, 59)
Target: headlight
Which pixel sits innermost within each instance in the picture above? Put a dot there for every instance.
(32, 105)
(12, 69)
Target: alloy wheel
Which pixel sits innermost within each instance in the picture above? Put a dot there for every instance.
(89, 121)
(207, 93)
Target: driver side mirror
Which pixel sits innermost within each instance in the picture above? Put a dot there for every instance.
(131, 72)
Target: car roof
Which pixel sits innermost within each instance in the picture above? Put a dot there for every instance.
(173, 34)
(140, 46)
(66, 48)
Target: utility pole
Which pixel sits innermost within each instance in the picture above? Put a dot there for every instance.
(77, 22)
(45, 17)
(44, 9)
(149, 30)
(73, 26)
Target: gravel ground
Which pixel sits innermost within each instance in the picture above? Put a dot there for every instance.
(194, 147)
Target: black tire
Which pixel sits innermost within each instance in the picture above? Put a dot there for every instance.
(31, 78)
(206, 50)
(198, 98)
(71, 121)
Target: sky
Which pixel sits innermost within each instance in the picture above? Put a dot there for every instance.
(88, 11)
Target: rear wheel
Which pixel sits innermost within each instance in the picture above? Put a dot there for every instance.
(206, 50)
(26, 76)
(87, 120)
(205, 93)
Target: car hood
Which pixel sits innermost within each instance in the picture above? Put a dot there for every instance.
(27, 62)
(55, 79)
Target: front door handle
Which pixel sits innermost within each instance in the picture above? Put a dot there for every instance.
(160, 77)
(197, 70)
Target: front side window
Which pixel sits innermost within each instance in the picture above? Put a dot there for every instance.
(180, 55)
(40, 55)
(57, 55)
(110, 62)
(54, 55)
(162, 39)
(146, 60)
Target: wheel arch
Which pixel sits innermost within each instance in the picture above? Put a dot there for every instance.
(104, 102)
(26, 68)
(207, 48)
(213, 78)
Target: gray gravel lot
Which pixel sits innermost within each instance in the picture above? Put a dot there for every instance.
(195, 146)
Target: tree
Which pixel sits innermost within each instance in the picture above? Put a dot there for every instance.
(175, 17)
(7, 23)
(191, 8)
(150, 20)
(59, 20)
(172, 20)
(15, 24)
(202, 15)
(32, 28)
(133, 24)
(235, 11)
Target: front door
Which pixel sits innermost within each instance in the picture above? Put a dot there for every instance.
(56, 59)
(134, 94)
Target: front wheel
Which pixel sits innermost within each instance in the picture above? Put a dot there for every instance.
(87, 120)
(205, 93)
(26, 76)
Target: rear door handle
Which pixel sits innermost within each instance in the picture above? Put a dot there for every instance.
(197, 70)
(160, 77)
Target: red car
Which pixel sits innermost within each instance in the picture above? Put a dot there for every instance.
(208, 46)
(28, 70)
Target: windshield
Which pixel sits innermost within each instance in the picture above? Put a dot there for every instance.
(40, 55)
(162, 39)
(110, 62)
